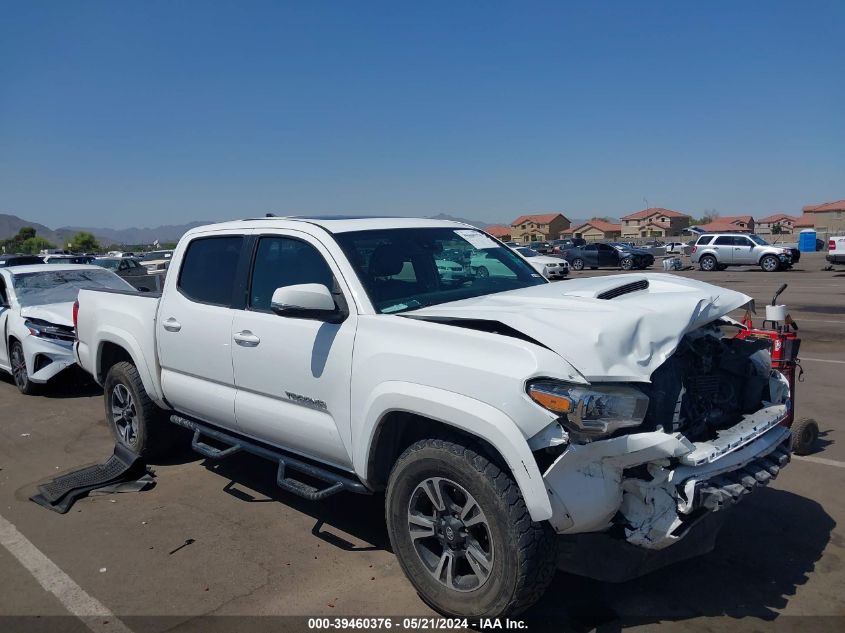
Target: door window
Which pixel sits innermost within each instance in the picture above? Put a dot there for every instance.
(209, 269)
(724, 240)
(284, 261)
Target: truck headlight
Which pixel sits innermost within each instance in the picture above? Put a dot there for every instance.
(591, 410)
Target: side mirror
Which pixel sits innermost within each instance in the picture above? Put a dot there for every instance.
(306, 301)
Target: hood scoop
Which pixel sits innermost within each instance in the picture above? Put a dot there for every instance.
(640, 284)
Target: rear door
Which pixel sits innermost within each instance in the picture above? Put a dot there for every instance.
(293, 375)
(194, 327)
(724, 247)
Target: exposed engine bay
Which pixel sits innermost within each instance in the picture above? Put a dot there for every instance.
(708, 384)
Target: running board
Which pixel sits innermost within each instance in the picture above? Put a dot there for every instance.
(286, 463)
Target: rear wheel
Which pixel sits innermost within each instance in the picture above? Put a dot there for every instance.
(463, 536)
(708, 263)
(770, 264)
(19, 370)
(482, 271)
(134, 419)
(578, 263)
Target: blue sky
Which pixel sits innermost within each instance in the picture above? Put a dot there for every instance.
(143, 113)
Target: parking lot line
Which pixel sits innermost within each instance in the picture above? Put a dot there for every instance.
(820, 460)
(823, 360)
(94, 614)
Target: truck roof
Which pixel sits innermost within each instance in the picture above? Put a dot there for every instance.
(335, 224)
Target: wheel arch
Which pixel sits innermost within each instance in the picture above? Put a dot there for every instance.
(114, 348)
(402, 413)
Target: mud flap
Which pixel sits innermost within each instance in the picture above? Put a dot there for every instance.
(122, 467)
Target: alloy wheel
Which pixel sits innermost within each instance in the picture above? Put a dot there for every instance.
(124, 415)
(450, 534)
(19, 367)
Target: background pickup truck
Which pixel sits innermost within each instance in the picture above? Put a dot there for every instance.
(604, 425)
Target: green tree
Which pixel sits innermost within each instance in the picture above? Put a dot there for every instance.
(776, 229)
(84, 242)
(25, 233)
(33, 245)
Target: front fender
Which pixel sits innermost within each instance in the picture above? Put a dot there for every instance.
(467, 414)
(142, 362)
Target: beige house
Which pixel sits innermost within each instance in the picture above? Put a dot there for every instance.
(594, 230)
(654, 222)
(828, 217)
(538, 228)
(779, 221)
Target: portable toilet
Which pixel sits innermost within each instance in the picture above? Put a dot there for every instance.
(807, 241)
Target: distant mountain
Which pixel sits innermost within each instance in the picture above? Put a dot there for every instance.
(166, 233)
(11, 224)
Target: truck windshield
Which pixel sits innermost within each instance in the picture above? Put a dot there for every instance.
(406, 269)
(62, 286)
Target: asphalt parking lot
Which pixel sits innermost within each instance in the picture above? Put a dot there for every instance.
(221, 539)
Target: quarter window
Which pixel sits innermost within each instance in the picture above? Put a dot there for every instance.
(284, 261)
(209, 269)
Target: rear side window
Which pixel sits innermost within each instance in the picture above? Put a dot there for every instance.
(705, 239)
(284, 261)
(209, 269)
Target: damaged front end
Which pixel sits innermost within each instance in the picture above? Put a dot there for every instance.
(650, 468)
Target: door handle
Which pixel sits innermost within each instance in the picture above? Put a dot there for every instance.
(247, 338)
(171, 325)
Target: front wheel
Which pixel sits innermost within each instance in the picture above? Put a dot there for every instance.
(770, 264)
(627, 263)
(19, 371)
(134, 419)
(460, 529)
(578, 263)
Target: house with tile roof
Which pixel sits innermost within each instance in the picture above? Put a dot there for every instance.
(654, 222)
(828, 217)
(593, 230)
(499, 231)
(779, 223)
(729, 224)
(538, 227)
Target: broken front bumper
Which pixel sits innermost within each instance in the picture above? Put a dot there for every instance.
(649, 490)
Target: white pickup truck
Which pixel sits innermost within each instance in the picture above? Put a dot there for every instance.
(603, 426)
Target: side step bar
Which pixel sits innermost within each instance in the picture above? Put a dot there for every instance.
(336, 482)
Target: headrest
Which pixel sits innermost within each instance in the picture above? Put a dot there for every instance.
(386, 260)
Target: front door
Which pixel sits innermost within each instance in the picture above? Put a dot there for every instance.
(743, 251)
(194, 330)
(607, 255)
(5, 300)
(293, 375)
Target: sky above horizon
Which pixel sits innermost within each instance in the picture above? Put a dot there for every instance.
(117, 114)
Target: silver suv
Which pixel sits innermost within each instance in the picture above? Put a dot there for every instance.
(718, 251)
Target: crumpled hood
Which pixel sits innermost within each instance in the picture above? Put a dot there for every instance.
(56, 313)
(619, 339)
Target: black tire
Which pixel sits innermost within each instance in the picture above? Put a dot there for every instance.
(578, 263)
(627, 263)
(482, 271)
(152, 436)
(805, 434)
(769, 264)
(17, 360)
(708, 263)
(522, 554)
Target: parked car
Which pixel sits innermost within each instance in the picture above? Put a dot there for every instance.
(717, 251)
(549, 267)
(514, 425)
(544, 248)
(512, 244)
(36, 304)
(677, 248)
(68, 259)
(836, 250)
(613, 255)
(19, 260)
(122, 266)
(559, 246)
